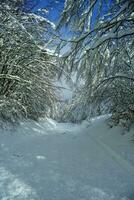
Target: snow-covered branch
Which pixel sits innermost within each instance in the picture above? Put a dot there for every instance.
(110, 36)
(105, 80)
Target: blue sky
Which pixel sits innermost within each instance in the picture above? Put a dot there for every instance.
(54, 6)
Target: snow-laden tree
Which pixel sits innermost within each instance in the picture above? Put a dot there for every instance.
(101, 53)
(27, 69)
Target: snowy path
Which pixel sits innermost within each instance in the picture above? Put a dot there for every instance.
(64, 163)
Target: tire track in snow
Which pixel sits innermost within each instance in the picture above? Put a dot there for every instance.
(124, 164)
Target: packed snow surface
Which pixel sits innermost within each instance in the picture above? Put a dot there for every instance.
(47, 160)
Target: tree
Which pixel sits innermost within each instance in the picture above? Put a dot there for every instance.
(27, 69)
(101, 53)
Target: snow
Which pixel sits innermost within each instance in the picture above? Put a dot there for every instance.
(13, 188)
(40, 18)
(46, 160)
(43, 10)
(109, 36)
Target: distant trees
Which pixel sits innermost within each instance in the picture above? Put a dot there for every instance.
(101, 53)
(27, 69)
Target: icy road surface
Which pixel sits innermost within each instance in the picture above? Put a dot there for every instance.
(51, 161)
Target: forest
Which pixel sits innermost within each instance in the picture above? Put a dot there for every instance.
(66, 99)
(97, 50)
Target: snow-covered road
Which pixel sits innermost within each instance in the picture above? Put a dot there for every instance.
(60, 162)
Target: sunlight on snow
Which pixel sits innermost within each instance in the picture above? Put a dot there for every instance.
(40, 157)
(13, 188)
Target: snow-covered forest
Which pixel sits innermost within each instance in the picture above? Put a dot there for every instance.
(98, 52)
(66, 100)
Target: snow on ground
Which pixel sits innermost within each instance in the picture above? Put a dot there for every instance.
(47, 160)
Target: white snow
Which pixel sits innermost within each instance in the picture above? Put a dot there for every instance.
(43, 10)
(11, 187)
(109, 36)
(40, 18)
(47, 160)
